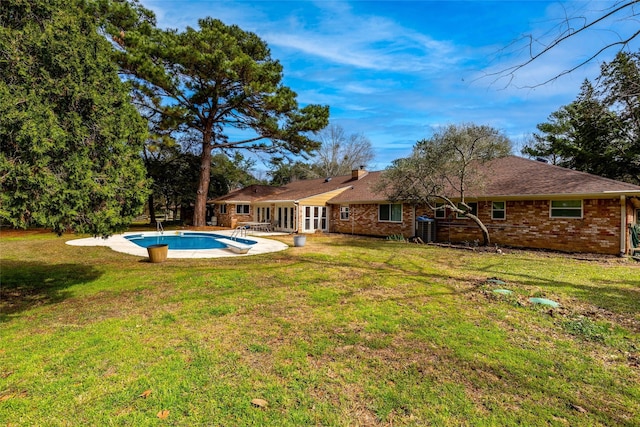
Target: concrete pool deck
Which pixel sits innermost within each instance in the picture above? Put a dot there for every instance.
(118, 243)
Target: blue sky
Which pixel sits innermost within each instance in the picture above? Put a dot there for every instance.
(396, 70)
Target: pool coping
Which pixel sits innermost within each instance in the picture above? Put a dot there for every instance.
(120, 244)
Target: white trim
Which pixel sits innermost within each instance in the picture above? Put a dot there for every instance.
(391, 212)
(316, 219)
(248, 212)
(503, 210)
(551, 208)
(348, 212)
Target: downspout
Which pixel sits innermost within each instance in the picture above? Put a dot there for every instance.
(623, 225)
(414, 223)
(296, 215)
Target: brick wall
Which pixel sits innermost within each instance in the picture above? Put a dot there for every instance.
(363, 220)
(528, 224)
(231, 218)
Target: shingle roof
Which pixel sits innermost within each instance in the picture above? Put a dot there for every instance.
(361, 190)
(509, 176)
(291, 192)
(513, 175)
(301, 189)
(250, 194)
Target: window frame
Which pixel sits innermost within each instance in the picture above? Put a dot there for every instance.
(440, 212)
(248, 210)
(345, 213)
(223, 209)
(390, 212)
(503, 210)
(565, 208)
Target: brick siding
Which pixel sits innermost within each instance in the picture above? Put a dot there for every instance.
(528, 225)
(363, 220)
(231, 218)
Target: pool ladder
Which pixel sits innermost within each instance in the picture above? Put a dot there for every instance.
(159, 228)
(240, 231)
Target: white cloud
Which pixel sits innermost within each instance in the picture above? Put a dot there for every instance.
(394, 76)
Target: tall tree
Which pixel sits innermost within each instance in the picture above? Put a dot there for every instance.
(229, 173)
(70, 137)
(599, 132)
(578, 136)
(283, 171)
(445, 169)
(340, 153)
(548, 142)
(210, 81)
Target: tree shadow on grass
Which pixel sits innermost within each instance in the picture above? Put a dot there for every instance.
(24, 285)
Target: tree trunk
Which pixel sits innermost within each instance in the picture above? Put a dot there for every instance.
(152, 210)
(200, 208)
(486, 241)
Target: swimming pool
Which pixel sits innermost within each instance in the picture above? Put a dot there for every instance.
(123, 243)
(183, 240)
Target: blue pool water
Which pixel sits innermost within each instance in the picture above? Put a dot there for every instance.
(183, 241)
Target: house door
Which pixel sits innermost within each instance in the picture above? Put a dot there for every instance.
(284, 220)
(264, 214)
(315, 218)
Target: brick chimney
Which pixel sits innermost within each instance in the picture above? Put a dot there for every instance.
(356, 174)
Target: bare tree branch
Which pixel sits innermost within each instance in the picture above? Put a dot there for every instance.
(565, 34)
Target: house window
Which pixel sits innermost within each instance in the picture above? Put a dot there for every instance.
(223, 209)
(566, 209)
(498, 210)
(472, 205)
(242, 209)
(344, 213)
(638, 216)
(440, 211)
(390, 213)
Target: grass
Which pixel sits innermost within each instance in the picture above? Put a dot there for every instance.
(340, 332)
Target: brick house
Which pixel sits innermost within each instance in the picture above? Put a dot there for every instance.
(524, 203)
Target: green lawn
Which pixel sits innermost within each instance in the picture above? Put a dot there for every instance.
(341, 332)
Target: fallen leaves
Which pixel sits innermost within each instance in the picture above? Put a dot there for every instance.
(163, 414)
(145, 394)
(260, 403)
(578, 408)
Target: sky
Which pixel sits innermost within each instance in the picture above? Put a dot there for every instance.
(396, 71)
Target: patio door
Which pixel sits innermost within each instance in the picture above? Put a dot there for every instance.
(315, 218)
(264, 214)
(284, 219)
